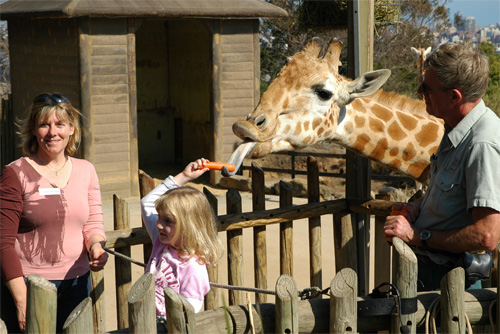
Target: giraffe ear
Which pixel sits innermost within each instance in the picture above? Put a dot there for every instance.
(367, 84)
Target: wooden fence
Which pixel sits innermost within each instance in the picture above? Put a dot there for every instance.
(285, 313)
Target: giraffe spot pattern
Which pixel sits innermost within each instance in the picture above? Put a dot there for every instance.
(376, 125)
(409, 152)
(378, 152)
(359, 121)
(396, 163)
(417, 168)
(408, 122)
(306, 126)
(285, 104)
(428, 134)
(394, 151)
(361, 142)
(395, 131)
(298, 129)
(287, 128)
(307, 140)
(316, 122)
(381, 112)
(320, 131)
(358, 106)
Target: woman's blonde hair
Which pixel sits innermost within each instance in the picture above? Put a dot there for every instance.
(40, 110)
(196, 227)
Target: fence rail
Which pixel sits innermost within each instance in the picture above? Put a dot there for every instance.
(396, 264)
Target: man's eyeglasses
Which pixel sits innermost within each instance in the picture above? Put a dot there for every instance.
(54, 97)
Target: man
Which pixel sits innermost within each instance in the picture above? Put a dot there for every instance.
(461, 209)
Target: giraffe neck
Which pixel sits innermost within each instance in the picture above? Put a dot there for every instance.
(400, 139)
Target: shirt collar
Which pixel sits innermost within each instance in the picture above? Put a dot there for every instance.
(457, 134)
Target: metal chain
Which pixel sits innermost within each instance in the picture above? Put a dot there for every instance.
(307, 293)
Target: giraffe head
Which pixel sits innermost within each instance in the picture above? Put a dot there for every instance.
(303, 104)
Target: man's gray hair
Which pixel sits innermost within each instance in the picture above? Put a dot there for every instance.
(461, 67)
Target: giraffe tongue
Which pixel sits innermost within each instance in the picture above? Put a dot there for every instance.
(237, 157)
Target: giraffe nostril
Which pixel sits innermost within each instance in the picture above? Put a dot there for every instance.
(260, 121)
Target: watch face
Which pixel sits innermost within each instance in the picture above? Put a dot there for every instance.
(425, 235)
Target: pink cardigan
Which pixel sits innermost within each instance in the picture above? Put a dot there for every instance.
(42, 233)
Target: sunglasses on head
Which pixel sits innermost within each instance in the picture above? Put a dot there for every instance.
(54, 97)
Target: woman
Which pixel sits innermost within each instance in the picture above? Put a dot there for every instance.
(51, 213)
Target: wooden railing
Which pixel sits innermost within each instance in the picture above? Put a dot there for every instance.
(135, 302)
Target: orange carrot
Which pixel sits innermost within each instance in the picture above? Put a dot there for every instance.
(219, 165)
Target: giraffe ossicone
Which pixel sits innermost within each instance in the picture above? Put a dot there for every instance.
(309, 102)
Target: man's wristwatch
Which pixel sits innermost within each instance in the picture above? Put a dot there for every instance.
(425, 235)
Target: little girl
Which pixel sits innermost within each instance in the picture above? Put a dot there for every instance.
(183, 230)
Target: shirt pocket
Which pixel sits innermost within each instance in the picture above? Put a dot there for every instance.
(449, 194)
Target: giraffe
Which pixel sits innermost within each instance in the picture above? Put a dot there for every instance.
(419, 65)
(309, 101)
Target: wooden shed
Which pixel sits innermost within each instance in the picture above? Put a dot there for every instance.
(157, 81)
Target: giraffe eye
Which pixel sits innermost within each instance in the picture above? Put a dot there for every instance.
(323, 94)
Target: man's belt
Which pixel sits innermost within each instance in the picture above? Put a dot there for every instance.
(386, 302)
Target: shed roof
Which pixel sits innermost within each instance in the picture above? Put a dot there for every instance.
(135, 8)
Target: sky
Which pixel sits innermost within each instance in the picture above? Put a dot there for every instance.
(486, 12)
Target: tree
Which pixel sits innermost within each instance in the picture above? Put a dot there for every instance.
(392, 48)
(492, 97)
(401, 24)
(4, 59)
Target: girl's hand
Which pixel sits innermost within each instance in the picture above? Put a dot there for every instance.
(192, 171)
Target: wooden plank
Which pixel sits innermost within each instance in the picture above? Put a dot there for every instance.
(259, 233)
(313, 196)
(237, 48)
(102, 89)
(110, 128)
(234, 249)
(110, 100)
(115, 79)
(286, 232)
(111, 118)
(240, 57)
(110, 109)
(98, 40)
(238, 67)
(236, 84)
(109, 60)
(109, 50)
(236, 93)
(108, 69)
(123, 268)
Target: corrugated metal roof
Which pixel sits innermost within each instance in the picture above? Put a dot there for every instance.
(142, 8)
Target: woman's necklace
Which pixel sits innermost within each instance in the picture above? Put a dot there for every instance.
(57, 170)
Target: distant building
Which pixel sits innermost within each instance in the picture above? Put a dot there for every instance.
(470, 23)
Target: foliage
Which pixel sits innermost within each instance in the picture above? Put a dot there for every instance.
(392, 46)
(4, 59)
(492, 96)
(401, 24)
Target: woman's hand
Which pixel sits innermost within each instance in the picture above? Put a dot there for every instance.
(98, 257)
(18, 290)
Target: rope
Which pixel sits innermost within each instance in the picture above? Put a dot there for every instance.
(125, 257)
(307, 293)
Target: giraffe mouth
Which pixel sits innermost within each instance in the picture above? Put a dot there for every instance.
(252, 147)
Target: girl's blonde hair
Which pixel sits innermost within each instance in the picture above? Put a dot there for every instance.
(196, 228)
(41, 111)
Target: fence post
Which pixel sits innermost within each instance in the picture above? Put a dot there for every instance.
(41, 308)
(286, 232)
(383, 254)
(180, 313)
(452, 302)
(213, 272)
(259, 233)
(234, 249)
(97, 295)
(345, 242)
(343, 302)
(287, 311)
(404, 277)
(80, 320)
(314, 224)
(141, 302)
(123, 268)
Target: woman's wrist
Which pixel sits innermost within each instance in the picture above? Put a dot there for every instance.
(93, 244)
